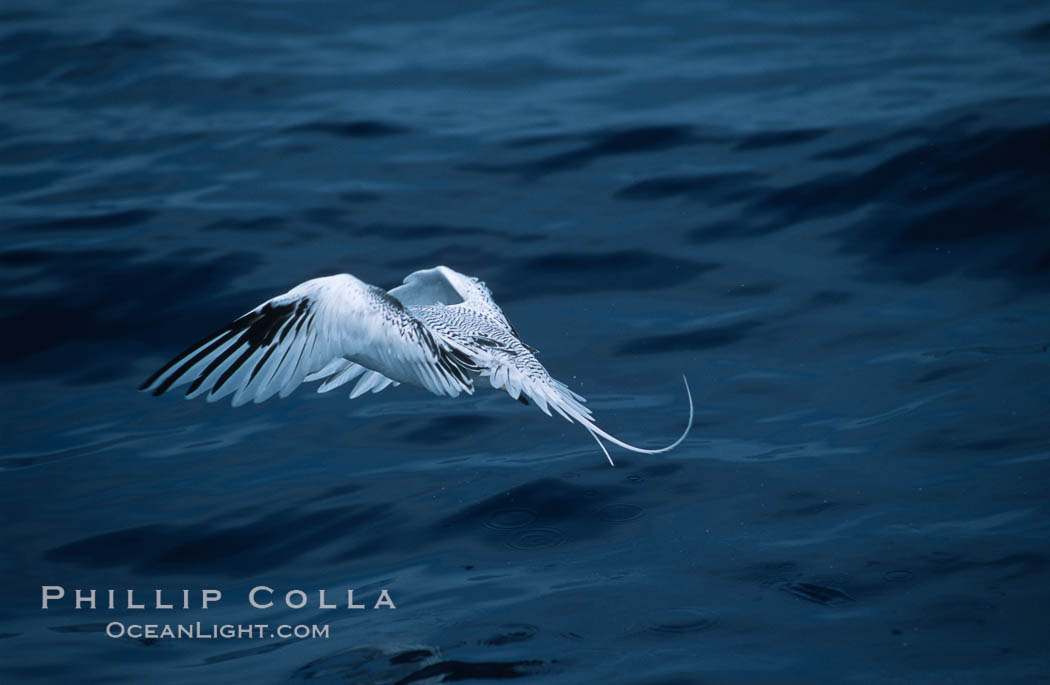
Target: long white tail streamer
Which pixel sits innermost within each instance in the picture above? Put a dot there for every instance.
(595, 432)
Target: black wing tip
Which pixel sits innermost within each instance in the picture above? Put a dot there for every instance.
(150, 385)
(257, 328)
(155, 376)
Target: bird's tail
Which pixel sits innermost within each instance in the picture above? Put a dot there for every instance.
(569, 406)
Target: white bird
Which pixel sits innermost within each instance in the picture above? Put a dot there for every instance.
(440, 330)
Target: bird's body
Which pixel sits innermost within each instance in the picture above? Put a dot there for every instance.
(439, 330)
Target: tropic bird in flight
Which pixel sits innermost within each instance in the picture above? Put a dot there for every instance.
(439, 330)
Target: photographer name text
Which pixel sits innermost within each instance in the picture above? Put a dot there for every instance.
(260, 597)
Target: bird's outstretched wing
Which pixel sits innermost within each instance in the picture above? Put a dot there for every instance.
(271, 349)
(444, 286)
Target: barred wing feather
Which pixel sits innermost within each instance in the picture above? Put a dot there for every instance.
(443, 286)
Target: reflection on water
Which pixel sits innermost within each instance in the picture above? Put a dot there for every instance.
(832, 219)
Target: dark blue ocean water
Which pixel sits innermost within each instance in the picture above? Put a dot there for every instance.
(833, 217)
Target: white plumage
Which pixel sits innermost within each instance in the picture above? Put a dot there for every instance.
(439, 330)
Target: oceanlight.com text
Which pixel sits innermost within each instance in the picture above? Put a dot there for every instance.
(215, 631)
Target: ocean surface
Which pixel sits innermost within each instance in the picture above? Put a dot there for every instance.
(833, 218)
